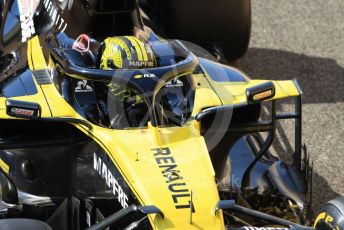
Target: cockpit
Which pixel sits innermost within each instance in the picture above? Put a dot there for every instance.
(123, 83)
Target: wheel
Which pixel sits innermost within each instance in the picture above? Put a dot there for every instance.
(331, 215)
(224, 22)
(234, 43)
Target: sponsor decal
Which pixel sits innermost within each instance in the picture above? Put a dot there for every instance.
(147, 75)
(141, 63)
(262, 95)
(27, 9)
(110, 180)
(83, 87)
(22, 112)
(176, 83)
(180, 193)
(139, 76)
(55, 15)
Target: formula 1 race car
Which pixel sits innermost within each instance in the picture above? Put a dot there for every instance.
(105, 125)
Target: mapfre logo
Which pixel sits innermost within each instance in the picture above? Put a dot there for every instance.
(111, 181)
(83, 87)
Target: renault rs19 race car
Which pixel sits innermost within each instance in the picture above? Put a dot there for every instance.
(106, 125)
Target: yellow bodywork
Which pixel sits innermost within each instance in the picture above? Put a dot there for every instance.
(132, 150)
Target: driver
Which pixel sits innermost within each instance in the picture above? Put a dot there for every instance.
(123, 106)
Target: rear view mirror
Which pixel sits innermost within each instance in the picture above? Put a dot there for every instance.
(260, 92)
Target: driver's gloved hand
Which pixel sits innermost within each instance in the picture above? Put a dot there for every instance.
(137, 114)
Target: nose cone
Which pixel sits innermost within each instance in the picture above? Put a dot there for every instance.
(176, 176)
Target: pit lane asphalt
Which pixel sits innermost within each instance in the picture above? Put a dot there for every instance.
(304, 40)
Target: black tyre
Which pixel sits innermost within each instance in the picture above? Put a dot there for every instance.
(225, 22)
(199, 51)
(331, 215)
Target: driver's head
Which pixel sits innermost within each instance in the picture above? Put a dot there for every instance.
(127, 52)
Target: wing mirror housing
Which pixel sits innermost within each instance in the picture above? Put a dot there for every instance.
(23, 109)
(260, 92)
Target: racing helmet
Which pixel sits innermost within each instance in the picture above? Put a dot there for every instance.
(126, 52)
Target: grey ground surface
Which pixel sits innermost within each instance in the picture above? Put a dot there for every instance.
(304, 39)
